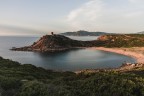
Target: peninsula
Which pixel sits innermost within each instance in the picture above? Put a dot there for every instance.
(126, 44)
(54, 43)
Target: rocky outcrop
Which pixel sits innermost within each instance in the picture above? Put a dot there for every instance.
(53, 43)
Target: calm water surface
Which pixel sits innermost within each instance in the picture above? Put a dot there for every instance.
(83, 38)
(68, 61)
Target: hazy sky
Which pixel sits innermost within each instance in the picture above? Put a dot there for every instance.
(37, 17)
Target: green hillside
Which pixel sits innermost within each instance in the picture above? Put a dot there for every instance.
(125, 40)
(28, 80)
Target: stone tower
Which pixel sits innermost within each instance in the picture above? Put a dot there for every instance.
(52, 33)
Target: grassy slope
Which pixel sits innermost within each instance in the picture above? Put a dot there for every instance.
(125, 40)
(28, 80)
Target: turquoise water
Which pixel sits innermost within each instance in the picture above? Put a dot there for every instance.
(71, 60)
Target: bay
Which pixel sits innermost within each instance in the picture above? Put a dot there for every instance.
(71, 60)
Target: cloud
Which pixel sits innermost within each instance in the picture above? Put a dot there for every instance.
(14, 30)
(86, 15)
(115, 16)
(135, 10)
(132, 1)
(136, 1)
(134, 14)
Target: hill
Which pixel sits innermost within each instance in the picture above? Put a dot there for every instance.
(54, 43)
(142, 32)
(84, 33)
(28, 80)
(122, 40)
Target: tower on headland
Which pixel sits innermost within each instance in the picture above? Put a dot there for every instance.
(52, 33)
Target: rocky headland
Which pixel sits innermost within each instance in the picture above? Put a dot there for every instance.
(54, 43)
(126, 44)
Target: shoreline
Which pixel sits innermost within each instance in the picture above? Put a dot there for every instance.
(124, 51)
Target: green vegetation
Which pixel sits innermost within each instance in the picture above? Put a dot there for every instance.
(28, 80)
(125, 40)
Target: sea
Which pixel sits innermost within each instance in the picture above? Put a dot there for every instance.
(71, 60)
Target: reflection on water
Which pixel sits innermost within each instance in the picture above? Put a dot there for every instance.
(70, 60)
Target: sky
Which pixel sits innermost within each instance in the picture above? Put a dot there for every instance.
(40, 17)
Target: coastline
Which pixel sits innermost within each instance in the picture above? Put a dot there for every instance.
(134, 52)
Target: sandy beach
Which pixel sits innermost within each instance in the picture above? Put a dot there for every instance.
(135, 52)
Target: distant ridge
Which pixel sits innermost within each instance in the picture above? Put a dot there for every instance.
(84, 33)
(142, 32)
